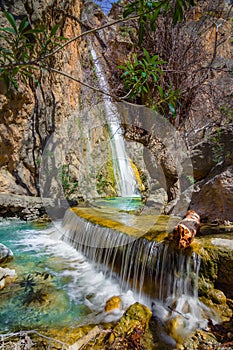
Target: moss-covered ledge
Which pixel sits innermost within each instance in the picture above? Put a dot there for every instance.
(150, 227)
(214, 245)
(215, 276)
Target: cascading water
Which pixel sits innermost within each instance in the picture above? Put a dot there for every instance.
(56, 285)
(161, 275)
(123, 172)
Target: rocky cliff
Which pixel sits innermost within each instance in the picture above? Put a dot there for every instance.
(52, 127)
(31, 114)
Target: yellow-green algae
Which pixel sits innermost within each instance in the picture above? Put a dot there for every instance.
(148, 226)
(131, 330)
(137, 176)
(215, 277)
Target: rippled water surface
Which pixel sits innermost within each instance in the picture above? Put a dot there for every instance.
(56, 285)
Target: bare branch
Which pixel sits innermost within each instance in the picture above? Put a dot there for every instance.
(92, 30)
(116, 98)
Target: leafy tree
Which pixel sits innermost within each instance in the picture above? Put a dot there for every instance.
(139, 74)
(141, 78)
(149, 10)
(22, 49)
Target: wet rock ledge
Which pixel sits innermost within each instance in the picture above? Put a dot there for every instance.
(23, 207)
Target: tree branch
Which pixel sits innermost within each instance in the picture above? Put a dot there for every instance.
(92, 30)
(116, 98)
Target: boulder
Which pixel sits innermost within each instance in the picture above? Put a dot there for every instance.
(206, 154)
(5, 253)
(132, 329)
(216, 268)
(24, 207)
(214, 200)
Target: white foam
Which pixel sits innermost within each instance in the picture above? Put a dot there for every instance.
(84, 284)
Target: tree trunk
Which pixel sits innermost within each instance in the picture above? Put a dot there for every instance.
(185, 231)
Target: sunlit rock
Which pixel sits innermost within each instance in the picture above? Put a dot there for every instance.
(7, 276)
(5, 253)
(132, 329)
(214, 200)
(113, 303)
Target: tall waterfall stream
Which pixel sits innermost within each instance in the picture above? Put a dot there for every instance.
(123, 172)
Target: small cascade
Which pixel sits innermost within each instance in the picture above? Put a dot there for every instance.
(123, 172)
(162, 277)
(155, 270)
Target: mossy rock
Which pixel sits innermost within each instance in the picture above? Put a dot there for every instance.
(216, 269)
(201, 340)
(132, 329)
(131, 332)
(136, 314)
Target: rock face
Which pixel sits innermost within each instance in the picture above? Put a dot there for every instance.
(206, 154)
(31, 114)
(214, 200)
(215, 278)
(213, 196)
(23, 207)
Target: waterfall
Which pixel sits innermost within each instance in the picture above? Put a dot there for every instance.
(162, 276)
(123, 172)
(153, 269)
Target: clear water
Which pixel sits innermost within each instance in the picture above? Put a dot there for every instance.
(72, 294)
(121, 203)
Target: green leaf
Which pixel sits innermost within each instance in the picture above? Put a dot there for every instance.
(131, 8)
(142, 27)
(153, 19)
(146, 53)
(15, 84)
(155, 77)
(33, 31)
(62, 38)
(23, 24)
(160, 89)
(8, 30)
(11, 20)
(178, 13)
(172, 109)
(54, 30)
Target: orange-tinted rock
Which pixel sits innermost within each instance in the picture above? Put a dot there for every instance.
(113, 303)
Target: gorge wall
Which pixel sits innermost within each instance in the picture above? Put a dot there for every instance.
(31, 114)
(34, 113)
